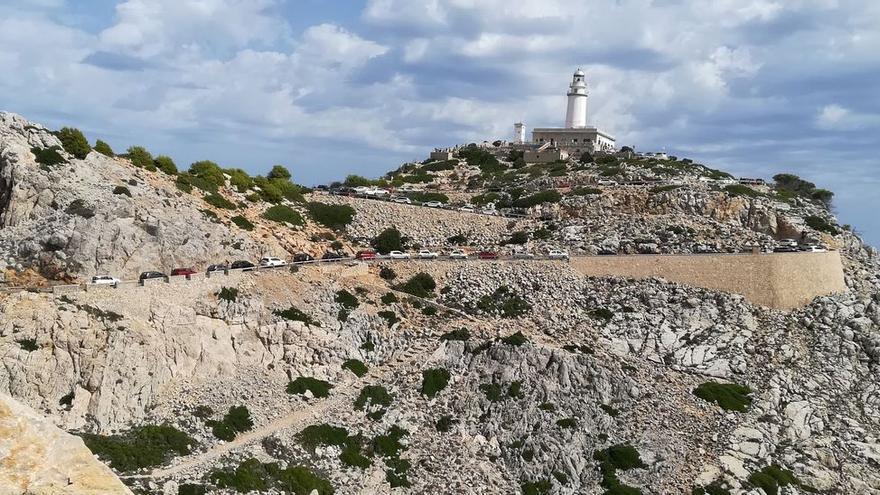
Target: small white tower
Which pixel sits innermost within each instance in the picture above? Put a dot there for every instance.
(519, 133)
(576, 115)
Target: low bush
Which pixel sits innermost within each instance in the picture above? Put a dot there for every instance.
(237, 420)
(335, 217)
(355, 366)
(389, 298)
(104, 148)
(514, 390)
(165, 164)
(519, 237)
(617, 457)
(461, 334)
(429, 311)
(283, 214)
(388, 240)
(252, 475)
(715, 488)
(140, 158)
(424, 197)
(219, 201)
(29, 345)
(74, 142)
(322, 435)
(79, 208)
(504, 302)
(375, 399)
(540, 487)
(227, 294)
(585, 191)
(820, 224)
(444, 424)
(729, 396)
(663, 189)
(348, 302)
(517, 339)
(387, 273)
(48, 157)
(566, 423)
(457, 240)
(318, 388)
(419, 285)
(602, 313)
(492, 391)
(191, 489)
(772, 477)
(433, 381)
(547, 406)
(242, 223)
(141, 447)
(609, 410)
(184, 183)
(741, 190)
(122, 190)
(548, 196)
(294, 314)
(390, 317)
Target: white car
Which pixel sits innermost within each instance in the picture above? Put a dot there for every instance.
(606, 182)
(433, 204)
(467, 209)
(489, 211)
(401, 199)
(812, 248)
(272, 262)
(105, 280)
(458, 254)
(375, 192)
(427, 254)
(557, 254)
(398, 255)
(523, 255)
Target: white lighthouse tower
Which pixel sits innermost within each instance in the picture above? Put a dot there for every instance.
(519, 133)
(576, 115)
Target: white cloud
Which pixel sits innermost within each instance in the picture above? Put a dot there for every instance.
(838, 118)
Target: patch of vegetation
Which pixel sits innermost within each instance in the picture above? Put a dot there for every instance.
(78, 207)
(517, 339)
(368, 345)
(294, 314)
(602, 313)
(504, 302)
(539, 487)
(348, 301)
(716, 488)
(229, 294)
(355, 366)
(140, 158)
(478, 157)
(141, 447)
(741, 190)
(253, 475)
(184, 183)
(561, 477)
(567, 423)
(122, 190)
(389, 447)
(457, 240)
(335, 217)
(609, 410)
(318, 388)
(519, 238)
(492, 391)
(104, 148)
(29, 345)
(283, 214)
(242, 223)
(548, 196)
(772, 477)
(389, 298)
(585, 349)
(74, 142)
(100, 314)
(219, 201)
(433, 381)
(419, 285)
(323, 434)
(375, 399)
(462, 334)
(444, 424)
(191, 489)
(203, 412)
(165, 164)
(390, 317)
(729, 396)
(388, 240)
(387, 273)
(48, 157)
(237, 420)
(66, 399)
(514, 390)
(617, 457)
(429, 311)
(585, 191)
(663, 189)
(790, 184)
(820, 224)
(547, 406)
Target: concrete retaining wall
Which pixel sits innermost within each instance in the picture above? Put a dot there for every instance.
(779, 280)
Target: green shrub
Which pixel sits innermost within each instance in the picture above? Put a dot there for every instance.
(518, 237)
(191, 489)
(492, 391)
(122, 190)
(457, 240)
(517, 339)
(609, 410)
(389, 445)
(547, 406)
(237, 420)
(622, 457)
(461, 334)
(390, 317)
(477, 157)
(504, 302)
(772, 477)
(585, 191)
(74, 142)
(444, 424)
(433, 381)
(741, 190)
(730, 396)
(355, 366)
(389, 298)
(713, 489)
(104, 148)
(485, 198)
(388, 240)
(663, 189)
(548, 196)
(514, 390)
(419, 285)
(567, 423)
(374, 397)
(352, 456)
(602, 313)
(184, 183)
(283, 214)
(165, 164)
(336, 217)
(29, 345)
(242, 223)
(386, 273)
(318, 388)
(540, 487)
(252, 475)
(429, 311)
(820, 224)
(79, 208)
(141, 447)
(218, 201)
(323, 434)
(239, 179)
(346, 299)
(140, 157)
(294, 314)
(228, 294)
(48, 157)
(279, 172)
(208, 171)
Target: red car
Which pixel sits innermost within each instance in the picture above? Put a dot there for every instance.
(183, 271)
(365, 255)
(488, 255)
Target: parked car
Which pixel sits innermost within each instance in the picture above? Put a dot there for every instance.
(523, 255)
(467, 209)
(458, 254)
(302, 257)
(788, 242)
(489, 211)
(242, 265)
(216, 268)
(401, 199)
(606, 252)
(433, 204)
(150, 275)
(398, 255)
(365, 255)
(785, 249)
(557, 254)
(332, 255)
(271, 262)
(606, 182)
(487, 255)
(183, 271)
(427, 254)
(813, 248)
(105, 280)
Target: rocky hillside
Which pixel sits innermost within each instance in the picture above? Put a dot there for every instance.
(430, 377)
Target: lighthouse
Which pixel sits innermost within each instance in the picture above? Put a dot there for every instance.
(576, 115)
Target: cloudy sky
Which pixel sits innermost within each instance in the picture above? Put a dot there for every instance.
(330, 87)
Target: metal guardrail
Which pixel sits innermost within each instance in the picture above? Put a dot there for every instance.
(476, 211)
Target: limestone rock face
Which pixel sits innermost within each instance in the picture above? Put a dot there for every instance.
(37, 458)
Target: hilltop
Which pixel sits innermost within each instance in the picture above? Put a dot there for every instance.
(432, 376)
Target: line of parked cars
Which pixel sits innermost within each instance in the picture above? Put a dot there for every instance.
(793, 246)
(457, 254)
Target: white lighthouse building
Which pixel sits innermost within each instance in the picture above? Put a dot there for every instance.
(576, 136)
(576, 115)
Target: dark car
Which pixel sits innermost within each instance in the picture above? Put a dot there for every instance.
(242, 265)
(330, 255)
(785, 249)
(488, 255)
(183, 271)
(217, 268)
(607, 252)
(302, 257)
(150, 276)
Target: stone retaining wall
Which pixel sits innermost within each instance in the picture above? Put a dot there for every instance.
(780, 280)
